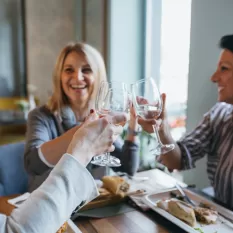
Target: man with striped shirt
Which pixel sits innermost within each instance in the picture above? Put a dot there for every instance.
(213, 136)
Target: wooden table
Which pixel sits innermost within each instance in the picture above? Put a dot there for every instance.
(131, 222)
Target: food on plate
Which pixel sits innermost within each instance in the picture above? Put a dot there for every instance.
(200, 230)
(182, 211)
(63, 228)
(104, 193)
(206, 205)
(188, 213)
(162, 204)
(115, 184)
(205, 215)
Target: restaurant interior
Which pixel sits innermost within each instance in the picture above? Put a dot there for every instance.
(175, 42)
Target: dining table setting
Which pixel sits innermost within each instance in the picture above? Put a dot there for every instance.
(135, 209)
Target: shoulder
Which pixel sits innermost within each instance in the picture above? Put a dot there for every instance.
(220, 109)
(40, 113)
(220, 112)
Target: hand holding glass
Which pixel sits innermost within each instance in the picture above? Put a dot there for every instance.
(148, 104)
(112, 98)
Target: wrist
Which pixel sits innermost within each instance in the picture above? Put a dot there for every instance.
(132, 131)
(83, 156)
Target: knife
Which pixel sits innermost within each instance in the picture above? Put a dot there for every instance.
(186, 198)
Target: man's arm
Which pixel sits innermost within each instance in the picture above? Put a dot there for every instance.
(48, 207)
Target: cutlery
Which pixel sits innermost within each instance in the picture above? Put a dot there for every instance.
(186, 198)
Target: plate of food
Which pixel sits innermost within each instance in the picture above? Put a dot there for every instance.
(205, 216)
(113, 190)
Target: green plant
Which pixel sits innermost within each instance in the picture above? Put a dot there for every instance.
(23, 105)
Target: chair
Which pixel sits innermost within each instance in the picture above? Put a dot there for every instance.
(13, 177)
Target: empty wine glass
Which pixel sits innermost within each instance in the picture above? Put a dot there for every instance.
(148, 104)
(112, 98)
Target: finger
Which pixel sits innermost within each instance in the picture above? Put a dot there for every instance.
(118, 118)
(99, 125)
(111, 148)
(159, 122)
(163, 97)
(149, 122)
(92, 116)
(141, 100)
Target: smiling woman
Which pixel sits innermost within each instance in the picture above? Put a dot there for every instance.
(77, 80)
(78, 72)
(77, 75)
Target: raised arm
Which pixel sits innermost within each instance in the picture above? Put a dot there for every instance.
(192, 147)
(69, 184)
(41, 150)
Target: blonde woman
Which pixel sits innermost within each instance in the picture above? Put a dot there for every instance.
(78, 72)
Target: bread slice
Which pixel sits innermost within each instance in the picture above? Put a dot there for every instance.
(162, 205)
(115, 184)
(63, 228)
(182, 211)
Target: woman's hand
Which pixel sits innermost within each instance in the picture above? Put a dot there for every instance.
(95, 136)
(158, 122)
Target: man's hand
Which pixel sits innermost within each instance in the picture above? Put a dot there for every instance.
(96, 136)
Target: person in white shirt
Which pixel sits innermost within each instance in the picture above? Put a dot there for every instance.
(69, 184)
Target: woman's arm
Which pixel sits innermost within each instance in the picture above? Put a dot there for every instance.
(38, 134)
(52, 203)
(190, 148)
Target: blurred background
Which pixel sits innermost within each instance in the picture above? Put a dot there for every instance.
(174, 41)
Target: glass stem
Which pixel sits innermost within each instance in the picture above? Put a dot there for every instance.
(157, 135)
(107, 167)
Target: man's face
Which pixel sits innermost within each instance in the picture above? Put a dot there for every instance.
(223, 77)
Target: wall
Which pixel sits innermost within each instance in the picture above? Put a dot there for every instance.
(126, 40)
(211, 19)
(12, 67)
(50, 26)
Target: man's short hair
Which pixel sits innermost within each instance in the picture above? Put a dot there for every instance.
(226, 42)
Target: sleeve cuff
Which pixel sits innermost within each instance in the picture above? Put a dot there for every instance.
(42, 158)
(186, 159)
(74, 165)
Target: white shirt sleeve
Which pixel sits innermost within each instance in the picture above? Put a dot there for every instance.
(48, 207)
(42, 158)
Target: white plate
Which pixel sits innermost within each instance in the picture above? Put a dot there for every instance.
(222, 225)
(72, 228)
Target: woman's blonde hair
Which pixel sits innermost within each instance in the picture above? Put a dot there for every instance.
(96, 62)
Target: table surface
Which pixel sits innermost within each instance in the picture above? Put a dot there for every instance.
(136, 221)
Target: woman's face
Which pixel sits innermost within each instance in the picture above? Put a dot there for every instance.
(77, 78)
(224, 77)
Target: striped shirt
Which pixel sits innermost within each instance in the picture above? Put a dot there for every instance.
(213, 138)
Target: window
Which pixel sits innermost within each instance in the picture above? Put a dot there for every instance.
(169, 39)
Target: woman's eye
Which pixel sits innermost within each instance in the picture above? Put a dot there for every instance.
(224, 68)
(86, 70)
(69, 70)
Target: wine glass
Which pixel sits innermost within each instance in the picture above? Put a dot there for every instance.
(148, 104)
(112, 98)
